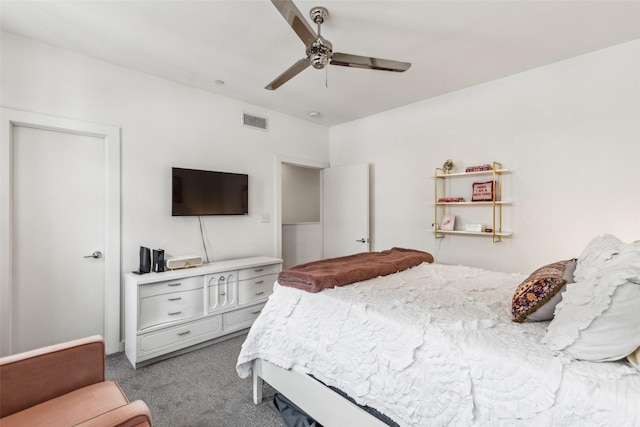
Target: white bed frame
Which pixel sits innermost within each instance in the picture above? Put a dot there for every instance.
(320, 402)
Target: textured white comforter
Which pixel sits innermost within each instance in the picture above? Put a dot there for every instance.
(435, 346)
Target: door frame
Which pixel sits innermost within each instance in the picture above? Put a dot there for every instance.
(11, 118)
(303, 163)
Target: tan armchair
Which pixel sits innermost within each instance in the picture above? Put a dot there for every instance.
(64, 385)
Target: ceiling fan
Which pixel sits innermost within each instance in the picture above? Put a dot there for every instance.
(319, 50)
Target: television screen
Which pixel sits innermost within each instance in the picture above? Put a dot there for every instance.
(199, 192)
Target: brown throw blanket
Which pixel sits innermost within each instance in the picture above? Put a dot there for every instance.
(318, 275)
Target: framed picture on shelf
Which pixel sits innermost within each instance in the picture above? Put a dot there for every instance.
(448, 222)
(482, 191)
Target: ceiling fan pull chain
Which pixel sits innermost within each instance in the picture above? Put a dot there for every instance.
(326, 77)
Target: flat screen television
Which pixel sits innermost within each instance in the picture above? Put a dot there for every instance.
(199, 192)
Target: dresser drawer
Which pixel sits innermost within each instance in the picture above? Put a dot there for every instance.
(249, 273)
(223, 290)
(255, 289)
(180, 336)
(242, 318)
(170, 286)
(165, 308)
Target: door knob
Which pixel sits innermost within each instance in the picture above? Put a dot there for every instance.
(363, 240)
(96, 254)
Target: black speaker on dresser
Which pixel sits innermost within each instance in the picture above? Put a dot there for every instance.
(158, 260)
(145, 260)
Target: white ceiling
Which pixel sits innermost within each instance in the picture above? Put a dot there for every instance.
(451, 44)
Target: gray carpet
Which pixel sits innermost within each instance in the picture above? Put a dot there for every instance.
(200, 388)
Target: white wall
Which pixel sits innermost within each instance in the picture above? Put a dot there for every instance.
(301, 243)
(164, 124)
(300, 194)
(570, 132)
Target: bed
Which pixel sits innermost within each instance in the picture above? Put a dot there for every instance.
(437, 345)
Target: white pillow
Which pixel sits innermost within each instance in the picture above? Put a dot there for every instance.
(596, 255)
(598, 318)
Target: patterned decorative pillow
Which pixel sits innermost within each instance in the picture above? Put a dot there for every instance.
(536, 298)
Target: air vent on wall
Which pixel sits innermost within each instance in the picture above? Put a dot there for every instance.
(254, 121)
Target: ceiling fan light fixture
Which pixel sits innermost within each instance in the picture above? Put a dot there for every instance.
(318, 60)
(319, 51)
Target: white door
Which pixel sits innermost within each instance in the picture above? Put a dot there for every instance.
(58, 211)
(59, 287)
(345, 208)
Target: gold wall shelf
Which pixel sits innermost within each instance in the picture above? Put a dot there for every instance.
(444, 208)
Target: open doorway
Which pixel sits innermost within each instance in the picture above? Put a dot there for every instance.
(321, 212)
(301, 215)
(299, 210)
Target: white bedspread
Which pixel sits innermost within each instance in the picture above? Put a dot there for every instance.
(435, 346)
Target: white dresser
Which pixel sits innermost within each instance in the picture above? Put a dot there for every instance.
(171, 311)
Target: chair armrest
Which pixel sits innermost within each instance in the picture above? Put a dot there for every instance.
(39, 375)
(134, 414)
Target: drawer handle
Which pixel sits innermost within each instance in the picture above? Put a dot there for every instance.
(258, 270)
(259, 282)
(175, 298)
(184, 333)
(260, 293)
(173, 313)
(256, 312)
(222, 293)
(174, 284)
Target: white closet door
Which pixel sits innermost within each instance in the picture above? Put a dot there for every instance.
(58, 220)
(345, 210)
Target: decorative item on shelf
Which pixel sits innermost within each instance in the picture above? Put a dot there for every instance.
(474, 228)
(450, 199)
(479, 168)
(447, 167)
(488, 230)
(448, 222)
(483, 191)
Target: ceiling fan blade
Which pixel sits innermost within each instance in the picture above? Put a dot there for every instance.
(289, 74)
(296, 20)
(358, 61)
